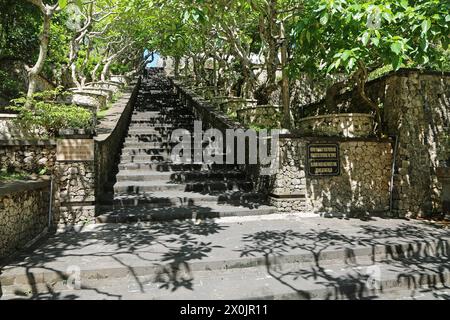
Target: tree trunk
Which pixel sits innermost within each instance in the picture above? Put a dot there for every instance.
(285, 80)
(34, 72)
(176, 67)
(105, 71)
(331, 94)
(94, 71)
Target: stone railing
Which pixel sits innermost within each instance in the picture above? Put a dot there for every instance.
(108, 85)
(337, 125)
(211, 117)
(107, 93)
(205, 110)
(124, 80)
(24, 214)
(109, 139)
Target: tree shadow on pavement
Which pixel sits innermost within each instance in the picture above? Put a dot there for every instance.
(416, 257)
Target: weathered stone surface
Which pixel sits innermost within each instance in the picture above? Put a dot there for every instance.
(363, 184)
(23, 214)
(338, 125)
(416, 109)
(31, 157)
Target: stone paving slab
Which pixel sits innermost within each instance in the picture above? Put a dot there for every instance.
(396, 280)
(219, 244)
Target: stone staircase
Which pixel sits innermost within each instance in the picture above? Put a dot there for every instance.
(151, 186)
(246, 254)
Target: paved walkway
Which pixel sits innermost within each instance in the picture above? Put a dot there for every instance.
(114, 252)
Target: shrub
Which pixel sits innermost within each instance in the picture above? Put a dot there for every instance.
(43, 112)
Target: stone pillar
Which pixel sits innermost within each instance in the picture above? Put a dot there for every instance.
(75, 178)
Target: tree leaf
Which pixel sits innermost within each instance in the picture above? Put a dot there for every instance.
(345, 55)
(62, 3)
(79, 3)
(365, 38)
(324, 19)
(351, 63)
(375, 41)
(404, 4)
(396, 47)
(426, 25)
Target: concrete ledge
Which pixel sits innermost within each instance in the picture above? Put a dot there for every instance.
(114, 115)
(298, 136)
(21, 186)
(15, 142)
(206, 111)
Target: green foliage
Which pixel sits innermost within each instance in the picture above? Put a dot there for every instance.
(19, 30)
(43, 112)
(8, 87)
(7, 176)
(337, 36)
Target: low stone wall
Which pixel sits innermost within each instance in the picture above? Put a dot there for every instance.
(120, 79)
(415, 110)
(89, 100)
(109, 139)
(109, 85)
(28, 155)
(362, 184)
(350, 125)
(105, 94)
(24, 209)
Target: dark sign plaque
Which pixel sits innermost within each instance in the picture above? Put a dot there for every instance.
(323, 159)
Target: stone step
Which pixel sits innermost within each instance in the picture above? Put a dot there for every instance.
(161, 114)
(289, 282)
(161, 123)
(130, 214)
(162, 117)
(170, 166)
(144, 158)
(149, 135)
(181, 198)
(162, 157)
(135, 143)
(138, 187)
(163, 151)
(147, 175)
(149, 131)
